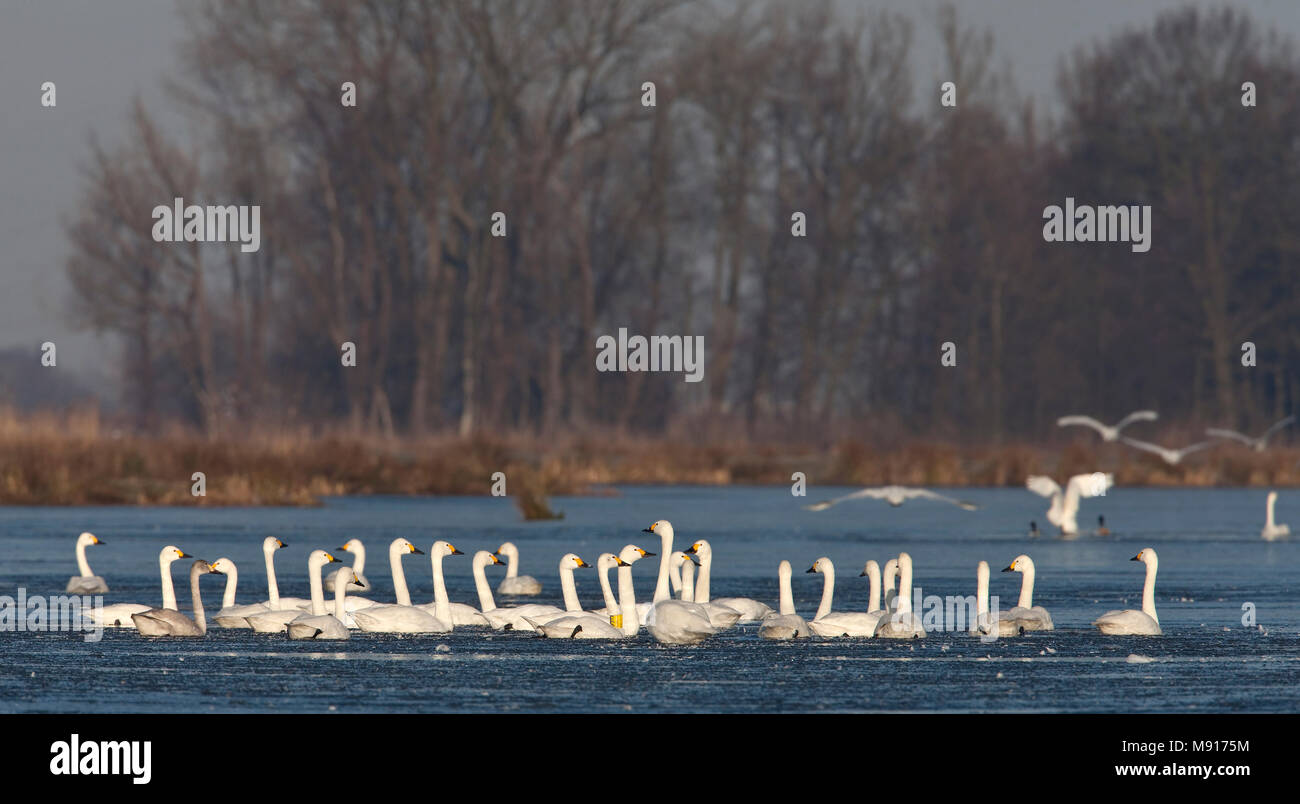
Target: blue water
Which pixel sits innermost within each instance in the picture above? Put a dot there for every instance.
(1212, 562)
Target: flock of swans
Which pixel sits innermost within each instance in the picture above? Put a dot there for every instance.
(1171, 456)
(691, 616)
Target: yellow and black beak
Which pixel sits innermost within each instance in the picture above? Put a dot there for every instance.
(582, 563)
(417, 550)
(650, 529)
(344, 548)
(184, 554)
(644, 552)
(280, 543)
(213, 568)
(1137, 557)
(1011, 568)
(690, 550)
(455, 552)
(620, 562)
(332, 559)
(98, 541)
(813, 568)
(495, 560)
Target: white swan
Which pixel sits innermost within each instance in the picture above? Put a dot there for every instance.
(1025, 615)
(674, 622)
(85, 582)
(1169, 456)
(1108, 433)
(508, 617)
(684, 571)
(120, 614)
(828, 623)
(1065, 506)
(169, 622)
(1139, 623)
(359, 583)
(902, 623)
(785, 624)
(273, 600)
(568, 589)
(442, 608)
(575, 623)
(318, 624)
(402, 618)
(894, 495)
(275, 621)
(987, 623)
(1257, 444)
(1273, 530)
(231, 615)
(612, 610)
(515, 584)
(725, 611)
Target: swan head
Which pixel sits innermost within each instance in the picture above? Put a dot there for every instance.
(224, 566)
(400, 546)
(320, 558)
(783, 570)
(822, 564)
(1146, 556)
(662, 528)
(570, 561)
(270, 544)
(345, 577)
(606, 561)
(171, 552)
(982, 570)
(202, 567)
(351, 545)
(441, 548)
(631, 554)
(1021, 563)
(1272, 495)
(869, 568)
(701, 549)
(509, 551)
(90, 538)
(680, 557)
(482, 558)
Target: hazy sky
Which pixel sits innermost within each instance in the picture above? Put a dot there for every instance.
(102, 52)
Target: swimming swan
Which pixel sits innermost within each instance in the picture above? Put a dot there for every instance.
(318, 624)
(1065, 506)
(1129, 622)
(575, 623)
(359, 583)
(725, 611)
(1108, 433)
(507, 617)
(231, 615)
(568, 563)
(442, 608)
(169, 622)
(1273, 530)
(674, 622)
(402, 618)
(902, 623)
(274, 621)
(987, 623)
(85, 582)
(121, 614)
(828, 623)
(1025, 614)
(785, 624)
(514, 583)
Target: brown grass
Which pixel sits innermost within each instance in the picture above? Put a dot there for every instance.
(74, 459)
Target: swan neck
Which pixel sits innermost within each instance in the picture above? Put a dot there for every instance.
(1149, 593)
(982, 592)
(873, 576)
(665, 553)
(627, 602)
(232, 580)
(611, 605)
(1268, 521)
(83, 566)
(702, 582)
(399, 576)
(787, 596)
(340, 599)
(485, 601)
(200, 619)
(169, 591)
(512, 568)
(359, 564)
(272, 588)
(441, 603)
(570, 590)
(317, 589)
(905, 588)
(688, 582)
(1027, 588)
(828, 590)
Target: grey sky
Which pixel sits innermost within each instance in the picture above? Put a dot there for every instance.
(102, 53)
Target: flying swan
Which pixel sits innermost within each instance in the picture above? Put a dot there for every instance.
(894, 495)
(1257, 444)
(1108, 433)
